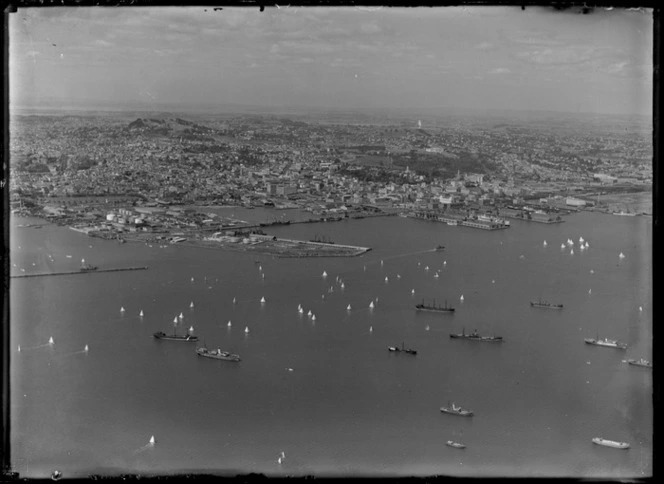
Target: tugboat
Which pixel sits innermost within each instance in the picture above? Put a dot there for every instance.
(217, 354)
(456, 445)
(610, 443)
(434, 307)
(403, 349)
(475, 336)
(454, 410)
(640, 362)
(545, 305)
(609, 343)
(87, 267)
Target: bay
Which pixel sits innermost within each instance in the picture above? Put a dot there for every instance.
(347, 406)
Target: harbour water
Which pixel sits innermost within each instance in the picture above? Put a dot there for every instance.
(327, 393)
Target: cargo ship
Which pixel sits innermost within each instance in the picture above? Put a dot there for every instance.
(434, 307)
(475, 336)
(609, 343)
(640, 362)
(217, 354)
(454, 410)
(610, 443)
(175, 336)
(403, 349)
(545, 304)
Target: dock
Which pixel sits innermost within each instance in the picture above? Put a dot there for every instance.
(68, 273)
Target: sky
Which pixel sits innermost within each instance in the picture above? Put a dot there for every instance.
(477, 58)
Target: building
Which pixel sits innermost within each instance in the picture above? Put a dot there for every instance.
(575, 202)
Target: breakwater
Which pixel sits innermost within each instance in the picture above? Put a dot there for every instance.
(96, 271)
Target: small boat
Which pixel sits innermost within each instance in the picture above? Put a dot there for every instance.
(324, 274)
(440, 248)
(141, 313)
(610, 443)
(609, 343)
(122, 309)
(371, 305)
(621, 255)
(348, 308)
(191, 305)
(640, 362)
(217, 354)
(456, 445)
(454, 410)
(403, 349)
(461, 298)
(262, 300)
(475, 336)
(562, 246)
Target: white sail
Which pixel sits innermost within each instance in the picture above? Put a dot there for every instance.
(191, 329)
(386, 279)
(413, 291)
(152, 441)
(371, 329)
(309, 313)
(233, 300)
(262, 300)
(122, 309)
(181, 316)
(348, 307)
(229, 324)
(371, 305)
(86, 348)
(313, 317)
(544, 243)
(621, 255)
(324, 274)
(50, 341)
(246, 329)
(461, 298)
(191, 305)
(141, 313)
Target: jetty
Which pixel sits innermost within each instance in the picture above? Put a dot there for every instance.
(68, 273)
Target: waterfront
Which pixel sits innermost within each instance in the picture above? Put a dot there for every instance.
(348, 406)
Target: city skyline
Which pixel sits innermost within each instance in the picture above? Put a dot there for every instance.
(490, 58)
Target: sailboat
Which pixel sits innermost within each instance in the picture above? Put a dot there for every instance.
(348, 308)
(371, 305)
(141, 313)
(621, 255)
(324, 274)
(262, 300)
(191, 305)
(544, 244)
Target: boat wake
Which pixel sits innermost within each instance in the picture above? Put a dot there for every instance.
(148, 446)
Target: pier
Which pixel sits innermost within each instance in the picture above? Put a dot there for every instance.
(68, 273)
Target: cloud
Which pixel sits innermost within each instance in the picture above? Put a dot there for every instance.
(565, 55)
(500, 70)
(616, 68)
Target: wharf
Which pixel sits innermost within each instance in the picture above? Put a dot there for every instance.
(67, 273)
(539, 221)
